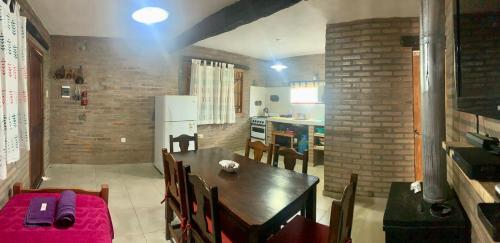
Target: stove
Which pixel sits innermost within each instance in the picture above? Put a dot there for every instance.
(408, 218)
(258, 128)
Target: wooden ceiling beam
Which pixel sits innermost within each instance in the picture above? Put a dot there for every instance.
(229, 18)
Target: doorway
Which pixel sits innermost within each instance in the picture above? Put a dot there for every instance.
(35, 85)
(417, 123)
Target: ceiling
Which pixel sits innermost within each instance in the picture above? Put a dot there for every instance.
(112, 18)
(298, 30)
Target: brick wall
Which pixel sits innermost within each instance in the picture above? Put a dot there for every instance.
(457, 125)
(369, 115)
(19, 171)
(479, 55)
(122, 77)
(231, 136)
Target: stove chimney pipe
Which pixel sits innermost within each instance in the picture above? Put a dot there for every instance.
(432, 96)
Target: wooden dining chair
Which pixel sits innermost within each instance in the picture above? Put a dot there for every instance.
(259, 148)
(175, 200)
(183, 141)
(301, 229)
(203, 208)
(290, 157)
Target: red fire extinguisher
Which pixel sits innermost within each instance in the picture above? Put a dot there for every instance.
(84, 98)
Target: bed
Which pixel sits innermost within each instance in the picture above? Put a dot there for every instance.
(93, 221)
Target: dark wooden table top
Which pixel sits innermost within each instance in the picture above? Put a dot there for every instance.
(257, 192)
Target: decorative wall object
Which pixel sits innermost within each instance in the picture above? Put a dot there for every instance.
(60, 73)
(73, 73)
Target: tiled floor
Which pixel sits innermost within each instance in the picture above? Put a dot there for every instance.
(136, 192)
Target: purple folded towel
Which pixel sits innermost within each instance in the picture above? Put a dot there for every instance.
(66, 209)
(41, 211)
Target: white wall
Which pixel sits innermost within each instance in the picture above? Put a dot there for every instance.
(283, 106)
(312, 111)
(257, 94)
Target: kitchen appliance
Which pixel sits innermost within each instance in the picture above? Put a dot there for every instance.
(174, 115)
(258, 128)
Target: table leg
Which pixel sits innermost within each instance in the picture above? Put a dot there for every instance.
(311, 204)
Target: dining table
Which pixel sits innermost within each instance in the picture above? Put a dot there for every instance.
(258, 198)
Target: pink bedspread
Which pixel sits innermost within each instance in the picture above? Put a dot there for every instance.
(93, 223)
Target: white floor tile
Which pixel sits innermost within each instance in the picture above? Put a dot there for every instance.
(137, 190)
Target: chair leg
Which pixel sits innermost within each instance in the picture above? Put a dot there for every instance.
(169, 216)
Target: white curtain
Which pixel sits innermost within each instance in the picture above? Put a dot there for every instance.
(14, 121)
(213, 83)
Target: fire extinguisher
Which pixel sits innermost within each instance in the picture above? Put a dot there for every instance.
(84, 101)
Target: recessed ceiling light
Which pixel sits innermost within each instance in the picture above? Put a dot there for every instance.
(150, 15)
(279, 67)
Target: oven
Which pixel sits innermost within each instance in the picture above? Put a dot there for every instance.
(258, 128)
(258, 132)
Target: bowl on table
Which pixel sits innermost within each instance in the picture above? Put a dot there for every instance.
(229, 166)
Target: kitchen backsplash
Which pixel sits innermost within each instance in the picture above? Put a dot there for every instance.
(312, 111)
(283, 105)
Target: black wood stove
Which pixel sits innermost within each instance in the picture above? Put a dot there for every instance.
(408, 219)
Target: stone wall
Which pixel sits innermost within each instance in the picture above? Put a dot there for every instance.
(457, 125)
(369, 115)
(122, 77)
(19, 171)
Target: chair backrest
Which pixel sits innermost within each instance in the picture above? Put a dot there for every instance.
(204, 220)
(175, 187)
(183, 141)
(342, 214)
(290, 157)
(258, 150)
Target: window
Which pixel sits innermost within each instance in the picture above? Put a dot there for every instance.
(306, 92)
(238, 85)
(304, 95)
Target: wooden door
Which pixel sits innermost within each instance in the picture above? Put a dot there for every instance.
(417, 123)
(35, 85)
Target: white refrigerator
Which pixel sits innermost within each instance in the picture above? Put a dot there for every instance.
(174, 115)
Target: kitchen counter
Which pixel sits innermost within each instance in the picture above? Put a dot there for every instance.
(309, 122)
(315, 152)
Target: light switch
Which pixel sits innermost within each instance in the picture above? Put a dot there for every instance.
(200, 135)
(124, 140)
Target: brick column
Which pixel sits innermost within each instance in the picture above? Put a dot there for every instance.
(310, 142)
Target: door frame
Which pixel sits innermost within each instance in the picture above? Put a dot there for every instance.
(418, 161)
(32, 46)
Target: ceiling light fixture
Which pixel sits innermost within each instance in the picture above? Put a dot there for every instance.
(150, 15)
(279, 67)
